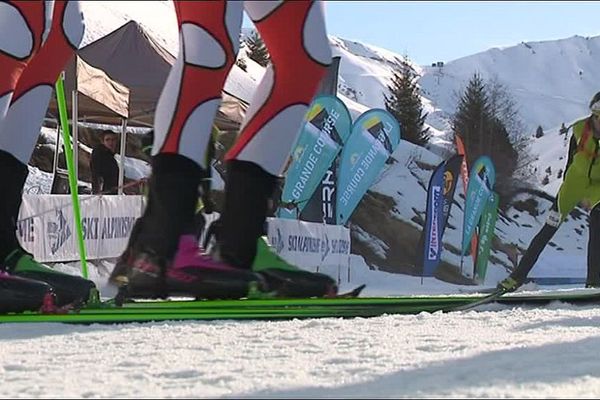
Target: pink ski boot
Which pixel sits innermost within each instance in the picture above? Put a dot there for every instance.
(191, 273)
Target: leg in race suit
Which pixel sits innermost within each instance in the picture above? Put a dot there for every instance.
(164, 258)
(37, 39)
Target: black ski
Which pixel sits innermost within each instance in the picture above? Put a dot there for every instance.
(490, 298)
(123, 297)
(479, 291)
(350, 294)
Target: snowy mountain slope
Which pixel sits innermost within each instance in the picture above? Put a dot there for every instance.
(158, 17)
(552, 81)
(551, 158)
(364, 71)
(406, 181)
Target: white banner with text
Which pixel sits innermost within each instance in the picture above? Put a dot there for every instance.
(310, 245)
(46, 226)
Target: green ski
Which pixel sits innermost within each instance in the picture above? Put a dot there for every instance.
(282, 309)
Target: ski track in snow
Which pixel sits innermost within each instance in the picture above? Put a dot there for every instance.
(500, 352)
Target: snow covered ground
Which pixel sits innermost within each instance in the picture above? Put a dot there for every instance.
(496, 351)
(540, 353)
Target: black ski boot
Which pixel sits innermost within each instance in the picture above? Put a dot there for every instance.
(163, 259)
(69, 289)
(16, 261)
(247, 192)
(290, 280)
(20, 294)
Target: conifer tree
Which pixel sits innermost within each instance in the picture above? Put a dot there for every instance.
(487, 119)
(404, 103)
(472, 116)
(539, 132)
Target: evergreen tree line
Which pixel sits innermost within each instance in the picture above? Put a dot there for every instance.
(486, 118)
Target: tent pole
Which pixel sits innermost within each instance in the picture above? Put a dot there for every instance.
(56, 155)
(74, 120)
(123, 148)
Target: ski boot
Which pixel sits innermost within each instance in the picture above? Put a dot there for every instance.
(14, 259)
(69, 289)
(287, 280)
(240, 243)
(509, 284)
(21, 294)
(190, 273)
(163, 257)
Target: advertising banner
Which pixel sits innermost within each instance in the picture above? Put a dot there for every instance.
(323, 135)
(487, 227)
(481, 184)
(310, 245)
(375, 135)
(46, 225)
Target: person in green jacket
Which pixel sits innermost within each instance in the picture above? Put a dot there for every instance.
(581, 186)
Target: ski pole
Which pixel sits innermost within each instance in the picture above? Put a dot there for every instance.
(68, 146)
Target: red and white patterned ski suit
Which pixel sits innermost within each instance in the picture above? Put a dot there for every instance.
(38, 39)
(294, 33)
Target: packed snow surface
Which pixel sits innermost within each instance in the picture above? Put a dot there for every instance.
(517, 352)
(495, 352)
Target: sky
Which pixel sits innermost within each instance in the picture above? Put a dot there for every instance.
(430, 31)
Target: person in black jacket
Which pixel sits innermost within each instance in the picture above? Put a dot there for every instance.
(105, 171)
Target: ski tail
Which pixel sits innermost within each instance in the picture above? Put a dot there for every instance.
(490, 298)
(479, 291)
(351, 294)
